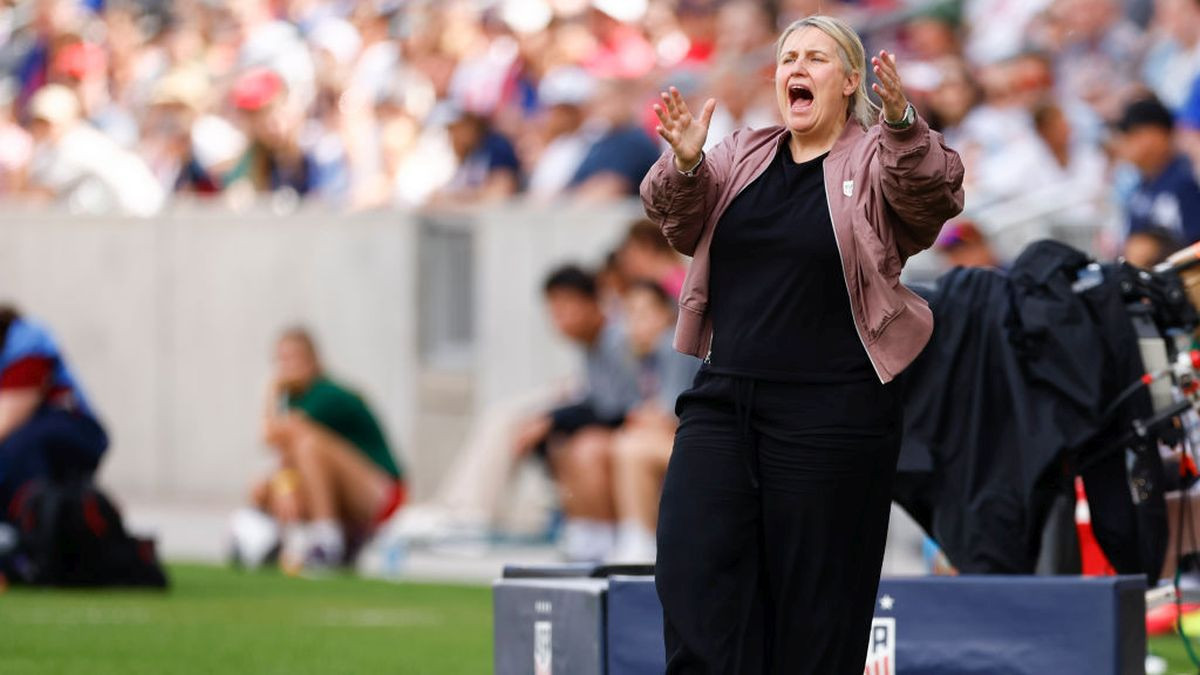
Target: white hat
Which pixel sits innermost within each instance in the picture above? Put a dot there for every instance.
(526, 16)
(625, 11)
(566, 85)
(216, 141)
(338, 37)
(55, 104)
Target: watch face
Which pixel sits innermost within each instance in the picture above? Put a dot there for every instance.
(910, 116)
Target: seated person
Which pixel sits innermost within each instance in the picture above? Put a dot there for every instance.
(642, 446)
(961, 244)
(576, 438)
(337, 479)
(1163, 213)
(47, 429)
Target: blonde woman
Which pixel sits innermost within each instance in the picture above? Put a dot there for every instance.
(775, 506)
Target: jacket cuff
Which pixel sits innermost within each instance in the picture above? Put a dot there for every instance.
(695, 167)
(678, 180)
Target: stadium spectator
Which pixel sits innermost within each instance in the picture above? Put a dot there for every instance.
(16, 145)
(611, 284)
(83, 68)
(267, 42)
(337, 478)
(645, 254)
(76, 164)
(561, 143)
(1163, 213)
(620, 50)
(744, 28)
(961, 244)
(54, 23)
(643, 444)
(273, 160)
(1173, 61)
(171, 129)
(395, 161)
(47, 428)
(736, 81)
(616, 161)
(1069, 166)
(1099, 53)
(576, 438)
(932, 35)
(954, 92)
(488, 169)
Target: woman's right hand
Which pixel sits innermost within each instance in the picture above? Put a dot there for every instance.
(685, 133)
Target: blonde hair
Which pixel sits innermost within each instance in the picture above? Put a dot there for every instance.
(852, 55)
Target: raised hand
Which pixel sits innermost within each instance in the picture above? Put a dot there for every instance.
(686, 134)
(889, 87)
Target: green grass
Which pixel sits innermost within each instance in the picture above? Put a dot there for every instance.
(216, 620)
(1171, 648)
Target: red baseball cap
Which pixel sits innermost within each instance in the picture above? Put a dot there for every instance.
(79, 60)
(256, 88)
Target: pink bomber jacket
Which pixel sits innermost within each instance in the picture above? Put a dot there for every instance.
(889, 193)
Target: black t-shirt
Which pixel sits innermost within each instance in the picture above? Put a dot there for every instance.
(777, 294)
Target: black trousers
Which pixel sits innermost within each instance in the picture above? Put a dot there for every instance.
(772, 525)
(53, 444)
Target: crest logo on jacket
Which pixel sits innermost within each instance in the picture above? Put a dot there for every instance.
(848, 188)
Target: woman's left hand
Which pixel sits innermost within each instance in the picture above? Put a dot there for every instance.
(889, 88)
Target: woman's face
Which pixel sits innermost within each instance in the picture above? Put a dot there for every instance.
(811, 87)
(295, 365)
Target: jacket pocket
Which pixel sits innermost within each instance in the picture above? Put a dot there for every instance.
(878, 326)
(876, 299)
(880, 251)
(878, 277)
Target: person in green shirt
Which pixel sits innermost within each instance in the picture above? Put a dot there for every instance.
(338, 478)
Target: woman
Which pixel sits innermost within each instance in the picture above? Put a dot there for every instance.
(338, 479)
(775, 504)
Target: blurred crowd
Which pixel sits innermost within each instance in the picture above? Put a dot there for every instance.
(1068, 114)
(119, 105)
(391, 103)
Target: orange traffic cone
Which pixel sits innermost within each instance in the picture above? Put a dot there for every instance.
(1092, 559)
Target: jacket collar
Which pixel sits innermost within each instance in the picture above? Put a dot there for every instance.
(849, 136)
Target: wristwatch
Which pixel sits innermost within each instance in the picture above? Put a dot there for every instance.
(910, 116)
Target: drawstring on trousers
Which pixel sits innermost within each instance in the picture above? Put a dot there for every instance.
(743, 409)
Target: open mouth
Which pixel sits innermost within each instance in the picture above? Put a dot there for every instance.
(799, 96)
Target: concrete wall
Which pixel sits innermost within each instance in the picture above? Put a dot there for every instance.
(170, 323)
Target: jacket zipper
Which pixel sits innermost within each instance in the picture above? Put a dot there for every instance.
(842, 260)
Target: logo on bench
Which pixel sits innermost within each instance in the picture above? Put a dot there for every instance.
(881, 650)
(543, 649)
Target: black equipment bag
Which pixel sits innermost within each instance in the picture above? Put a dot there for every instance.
(70, 534)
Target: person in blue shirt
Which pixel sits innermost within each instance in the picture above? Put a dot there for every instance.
(621, 154)
(487, 170)
(575, 438)
(47, 428)
(1163, 212)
